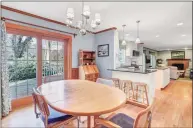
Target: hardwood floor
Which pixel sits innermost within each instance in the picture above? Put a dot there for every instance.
(172, 108)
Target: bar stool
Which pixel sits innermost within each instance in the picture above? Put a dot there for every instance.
(127, 87)
(140, 91)
(116, 82)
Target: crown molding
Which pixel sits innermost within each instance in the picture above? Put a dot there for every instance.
(8, 19)
(49, 20)
(108, 29)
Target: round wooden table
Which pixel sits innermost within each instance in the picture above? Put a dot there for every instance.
(82, 97)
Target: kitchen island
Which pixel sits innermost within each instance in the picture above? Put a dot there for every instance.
(147, 76)
(164, 77)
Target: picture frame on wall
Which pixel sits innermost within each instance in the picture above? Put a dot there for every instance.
(103, 50)
(178, 54)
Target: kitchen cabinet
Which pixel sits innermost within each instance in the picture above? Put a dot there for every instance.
(88, 72)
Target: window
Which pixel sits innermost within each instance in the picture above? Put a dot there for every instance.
(22, 60)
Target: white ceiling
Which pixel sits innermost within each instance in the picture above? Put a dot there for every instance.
(157, 18)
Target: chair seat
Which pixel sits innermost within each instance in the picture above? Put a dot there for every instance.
(122, 120)
(56, 116)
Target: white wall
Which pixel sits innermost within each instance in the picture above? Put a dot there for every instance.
(188, 54)
(164, 55)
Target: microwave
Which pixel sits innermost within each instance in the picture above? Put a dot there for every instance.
(135, 53)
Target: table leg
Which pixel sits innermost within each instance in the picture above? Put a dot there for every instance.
(88, 122)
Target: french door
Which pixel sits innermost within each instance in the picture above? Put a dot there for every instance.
(53, 62)
(34, 57)
(21, 53)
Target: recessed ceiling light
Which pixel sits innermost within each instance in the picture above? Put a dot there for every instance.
(179, 24)
(183, 35)
(185, 48)
(157, 36)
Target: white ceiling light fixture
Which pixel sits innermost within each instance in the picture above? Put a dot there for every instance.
(137, 41)
(69, 22)
(70, 14)
(79, 24)
(183, 35)
(180, 24)
(86, 11)
(123, 41)
(83, 23)
(93, 24)
(98, 19)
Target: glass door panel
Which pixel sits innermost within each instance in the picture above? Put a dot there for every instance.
(52, 60)
(22, 60)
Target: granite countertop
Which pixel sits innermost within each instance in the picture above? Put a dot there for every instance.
(162, 68)
(133, 70)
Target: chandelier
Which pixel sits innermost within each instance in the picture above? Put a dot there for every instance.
(83, 24)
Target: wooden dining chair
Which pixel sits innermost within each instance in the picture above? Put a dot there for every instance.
(49, 116)
(105, 81)
(117, 82)
(35, 103)
(121, 120)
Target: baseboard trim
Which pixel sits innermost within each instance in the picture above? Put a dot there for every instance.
(17, 103)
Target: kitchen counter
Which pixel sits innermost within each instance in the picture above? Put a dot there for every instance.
(133, 70)
(149, 77)
(161, 68)
(164, 77)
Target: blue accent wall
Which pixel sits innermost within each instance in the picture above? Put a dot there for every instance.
(81, 42)
(105, 63)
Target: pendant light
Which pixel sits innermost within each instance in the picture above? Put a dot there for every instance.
(137, 41)
(123, 41)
